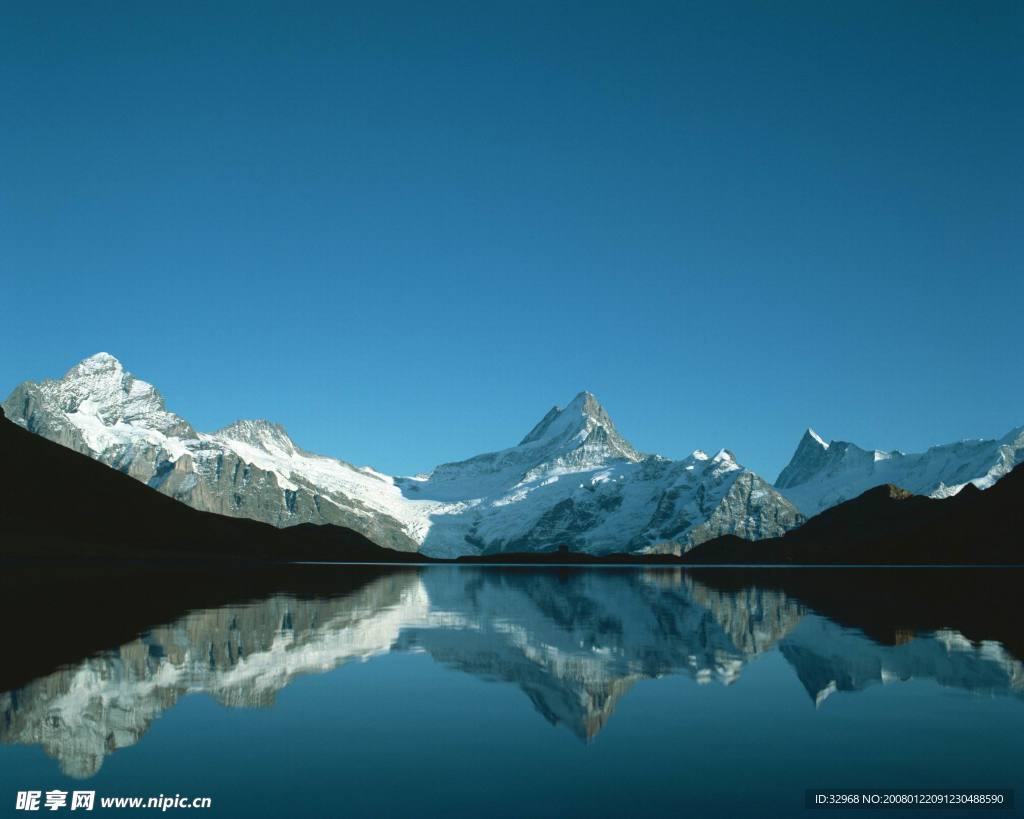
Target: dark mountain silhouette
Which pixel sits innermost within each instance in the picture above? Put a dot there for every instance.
(55, 502)
(887, 525)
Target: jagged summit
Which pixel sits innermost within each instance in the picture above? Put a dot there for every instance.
(573, 415)
(582, 420)
(97, 362)
(809, 458)
(103, 380)
(265, 435)
(86, 407)
(814, 436)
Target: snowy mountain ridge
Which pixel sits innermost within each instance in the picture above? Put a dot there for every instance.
(572, 481)
(821, 475)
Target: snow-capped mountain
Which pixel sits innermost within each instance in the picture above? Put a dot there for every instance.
(575, 481)
(821, 475)
(572, 481)
(248, 469)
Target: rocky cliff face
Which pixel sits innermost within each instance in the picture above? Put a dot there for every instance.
(572, 481)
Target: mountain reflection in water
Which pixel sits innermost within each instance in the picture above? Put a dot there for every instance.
(573, 640)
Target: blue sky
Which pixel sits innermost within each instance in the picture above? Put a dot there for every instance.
(406, 230)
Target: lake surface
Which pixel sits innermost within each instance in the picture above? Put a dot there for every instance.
(501, 691)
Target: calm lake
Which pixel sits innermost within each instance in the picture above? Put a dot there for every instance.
(501, 691)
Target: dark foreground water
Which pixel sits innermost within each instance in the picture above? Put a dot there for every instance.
(514, 692)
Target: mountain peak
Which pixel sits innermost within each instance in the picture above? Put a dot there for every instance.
(576, 423)
(586, 404)
(260, 433)
(96, 364)
(586, 401)
(96, 400)
(102, 358)
(813, 437)
(811, 454)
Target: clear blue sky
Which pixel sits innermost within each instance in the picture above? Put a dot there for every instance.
(406, 230)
